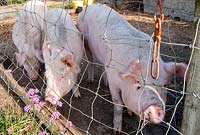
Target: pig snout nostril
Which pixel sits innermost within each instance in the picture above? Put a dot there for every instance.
(159, 114)
(148, 116)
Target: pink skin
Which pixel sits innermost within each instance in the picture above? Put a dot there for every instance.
(28, 38)
(154, 114)
(116, 44)
(30, 64)
(62, 52)
(59, 83)
(58, 88)
(146, 99)
(32, 71)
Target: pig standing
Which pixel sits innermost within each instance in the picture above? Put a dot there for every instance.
(125, 52)
(62, 52)
(27, 36)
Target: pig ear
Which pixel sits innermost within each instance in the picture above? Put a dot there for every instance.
(127, 76)
(177, 68)
(132, 72)
(68, 62)
(21, 58)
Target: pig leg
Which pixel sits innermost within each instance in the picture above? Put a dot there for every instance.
(105, 80)
(117, 121)
(90, 70)
(76, 92)
(90, 73)
(116, 97)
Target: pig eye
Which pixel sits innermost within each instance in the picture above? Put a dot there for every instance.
(138, 87)
(164, 85)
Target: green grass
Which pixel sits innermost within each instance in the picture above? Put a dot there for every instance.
(15, 1)
(19, 124)
(60, 6)
(14, 118)
(56, 6)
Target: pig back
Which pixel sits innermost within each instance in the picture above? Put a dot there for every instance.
(27, 34)
(35, 10)
(61, 31)
(111, 38)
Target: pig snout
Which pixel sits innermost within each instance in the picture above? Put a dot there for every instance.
(154, 114)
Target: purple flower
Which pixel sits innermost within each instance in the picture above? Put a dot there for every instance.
(39, 106)
(42, 133)
(35, 99)
(37, 91)
(31, 92)
(59, 103)
(69, 123)
(27, 108)
(9, 131)
(8, 71)
(54, 116)
(52, 97)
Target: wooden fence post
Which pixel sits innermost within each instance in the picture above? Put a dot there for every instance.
(191, 114)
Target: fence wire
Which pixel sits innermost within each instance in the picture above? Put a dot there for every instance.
(93, 112)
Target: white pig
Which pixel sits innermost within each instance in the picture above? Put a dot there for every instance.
(27, 36)
(125, 51)
(62, 52)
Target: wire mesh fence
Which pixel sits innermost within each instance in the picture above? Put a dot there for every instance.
(93, 112)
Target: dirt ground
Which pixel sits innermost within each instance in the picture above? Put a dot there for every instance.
(173, 31)
(8, 104)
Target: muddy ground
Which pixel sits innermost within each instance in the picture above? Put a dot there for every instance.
(173, 31)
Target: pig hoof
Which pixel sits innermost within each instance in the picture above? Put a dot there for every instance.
(76, 92)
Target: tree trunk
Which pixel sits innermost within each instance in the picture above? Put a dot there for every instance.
(191, 114)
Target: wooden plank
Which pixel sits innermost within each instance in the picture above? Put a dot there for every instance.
(57, 127)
